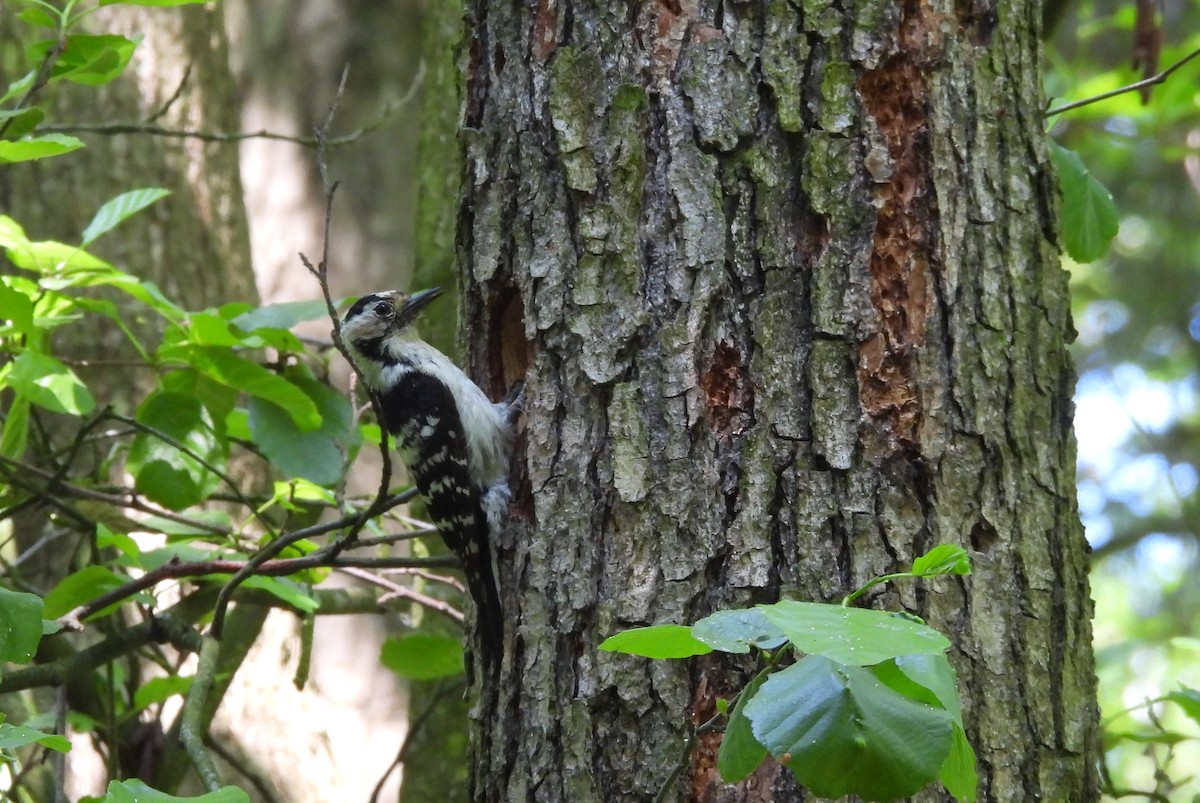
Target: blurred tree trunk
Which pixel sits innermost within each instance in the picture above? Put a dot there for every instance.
(193, 244)
(785, 283)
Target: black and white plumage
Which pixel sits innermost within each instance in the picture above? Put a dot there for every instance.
(455, 441)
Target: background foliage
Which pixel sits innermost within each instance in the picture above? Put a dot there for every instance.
(232, 385)
(1137, 310)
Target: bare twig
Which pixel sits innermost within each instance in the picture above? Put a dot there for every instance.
(685, 756)
(178, 93)
(250, 773)
(394, 538)
(1134, 87)
(321, 272)
(395, 590)
(430, 577)
(176, 569)
(273, 549)
(149, 128)
(57, 488)
(184, 449)
(415, 726)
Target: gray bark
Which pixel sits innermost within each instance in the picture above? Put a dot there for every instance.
(783, 280)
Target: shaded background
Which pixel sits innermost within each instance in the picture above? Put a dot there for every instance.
(1137, 311)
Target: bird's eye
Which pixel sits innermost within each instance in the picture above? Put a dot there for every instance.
(384, 309)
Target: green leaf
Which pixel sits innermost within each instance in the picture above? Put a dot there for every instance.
(80, 588)
(39, 147)
(137, 792)
(1189, 700)
(315, 455)
(958, 773)
(12, 736)
(846, 733)
(657, 641)
(156, 690)
(740, 753)
(21, 121)
(207, 329)
(287, 590)
(48, 383)
(942, 559)
(227, 368)
(855, 636)
(119, 209)
(16, 429)
(933, 672)
(219, 399)
(284, 315)
(89, 59)
(1089, 216)
(47, 256)
(218, 519)
(122, 542)
(738, 630)
(36, 15)
(20, 626)
(1154, 737)
(19, 86)
(423, 656)
(163, 472)
(106, 275)
(16, 308)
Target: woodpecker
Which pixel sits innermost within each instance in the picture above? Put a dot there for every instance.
(454, 440)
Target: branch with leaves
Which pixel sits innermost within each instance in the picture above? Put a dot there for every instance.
(152, 503)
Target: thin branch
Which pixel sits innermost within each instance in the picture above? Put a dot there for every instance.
(184, 449)
(430, 577)
(685, 756)
(150, 128)
(395, 590)
(415, 727)
(395, 538)
(169, 625)
(178, 93)
(127, 500)
(321, 272)
(250, 773)
(177, 569)
(192, 729)
(1134, 87)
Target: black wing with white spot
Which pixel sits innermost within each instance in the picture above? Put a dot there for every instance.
(421, 413)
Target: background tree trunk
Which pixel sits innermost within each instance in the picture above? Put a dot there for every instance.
(193, 244)
(785, 281)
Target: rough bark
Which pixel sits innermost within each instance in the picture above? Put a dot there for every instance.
(784, 282)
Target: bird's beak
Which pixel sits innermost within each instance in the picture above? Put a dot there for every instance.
(416, 302)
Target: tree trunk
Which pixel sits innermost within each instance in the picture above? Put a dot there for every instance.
(784, 279)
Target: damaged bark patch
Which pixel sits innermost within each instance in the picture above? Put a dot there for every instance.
(896, 96)
(545, 30)
(509, 352)
(728, 394)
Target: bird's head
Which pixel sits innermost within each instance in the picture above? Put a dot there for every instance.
(378, 315)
